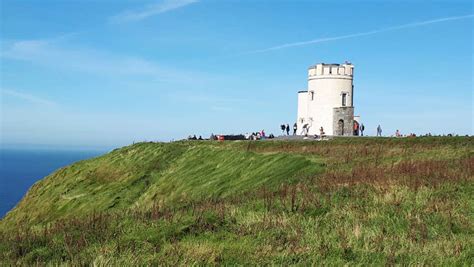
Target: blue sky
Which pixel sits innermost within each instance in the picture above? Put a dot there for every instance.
(107, 73)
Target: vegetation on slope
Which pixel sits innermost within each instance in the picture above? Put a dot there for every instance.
(148, 174)
(365, 201)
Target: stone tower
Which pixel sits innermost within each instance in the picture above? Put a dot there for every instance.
(328, 101)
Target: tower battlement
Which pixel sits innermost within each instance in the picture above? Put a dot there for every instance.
(330, 70)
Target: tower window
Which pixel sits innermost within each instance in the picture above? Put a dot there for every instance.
(312, 95)
(344, 99)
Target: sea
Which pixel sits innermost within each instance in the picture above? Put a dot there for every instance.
(21, 168)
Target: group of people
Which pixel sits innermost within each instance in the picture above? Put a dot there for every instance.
(286, 128)
(258, 135)
(321, 135)
(194, 137)
(359, 129)
(399, 134)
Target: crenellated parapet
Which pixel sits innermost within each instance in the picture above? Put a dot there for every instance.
(323, 70)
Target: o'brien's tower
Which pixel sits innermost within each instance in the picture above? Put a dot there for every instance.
(328, 102)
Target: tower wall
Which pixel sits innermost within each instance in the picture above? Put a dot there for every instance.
(327, 83)
(346, 116)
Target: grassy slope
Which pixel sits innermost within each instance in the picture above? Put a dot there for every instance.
(146, 173)
(367, 201)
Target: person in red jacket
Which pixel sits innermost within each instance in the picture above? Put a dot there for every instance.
(356, 128)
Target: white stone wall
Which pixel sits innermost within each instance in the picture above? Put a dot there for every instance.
(302, 110)
(327, 82)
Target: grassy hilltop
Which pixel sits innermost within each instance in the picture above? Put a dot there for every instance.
(347, 200)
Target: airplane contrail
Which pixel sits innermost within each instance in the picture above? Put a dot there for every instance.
(353, 35)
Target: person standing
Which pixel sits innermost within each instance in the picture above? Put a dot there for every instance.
(295, 127)
(287, 129)
(379, 130)
(305, 129)
(282, 127)
(362, 128)
(356, 129)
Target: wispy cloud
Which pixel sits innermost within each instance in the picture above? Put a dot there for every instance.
(66, 57)
(28, 97)
(47, 52)
(354, 35)
(150, 10)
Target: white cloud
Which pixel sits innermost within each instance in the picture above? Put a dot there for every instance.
(28, 97)
(49, 53)
(150, 10)
(327, 39)
(54, 54)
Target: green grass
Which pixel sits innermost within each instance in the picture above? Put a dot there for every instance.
(365, 201)
(145, 174)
